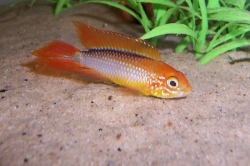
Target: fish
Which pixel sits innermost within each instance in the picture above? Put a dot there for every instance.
(118, 59)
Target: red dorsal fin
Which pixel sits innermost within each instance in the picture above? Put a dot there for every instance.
(93, 38)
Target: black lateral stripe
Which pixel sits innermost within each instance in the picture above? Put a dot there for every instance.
(121, 52)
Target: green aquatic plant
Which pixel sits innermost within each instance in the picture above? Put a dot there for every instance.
(212, 27)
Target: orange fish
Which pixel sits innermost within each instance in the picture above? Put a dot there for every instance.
(117, 58)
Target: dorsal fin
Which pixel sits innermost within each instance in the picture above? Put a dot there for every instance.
(93, 38)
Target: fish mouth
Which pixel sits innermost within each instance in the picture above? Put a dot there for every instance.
(179, 93)
(184, 92)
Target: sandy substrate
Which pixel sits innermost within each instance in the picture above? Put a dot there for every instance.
(53, 118)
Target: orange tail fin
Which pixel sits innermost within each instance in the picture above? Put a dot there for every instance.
(57, 55)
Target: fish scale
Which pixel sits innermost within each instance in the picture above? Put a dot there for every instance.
(118, 66)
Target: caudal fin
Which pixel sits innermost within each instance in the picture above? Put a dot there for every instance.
(57, 55)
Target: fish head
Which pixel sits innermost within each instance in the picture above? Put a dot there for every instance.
(169, 83)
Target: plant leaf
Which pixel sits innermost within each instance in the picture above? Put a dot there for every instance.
(213, 4)
(173, 28)
(161, 2)
(159, 11)
(222, 49)
(145, 21)
(183, 44)
(238, 3)
(59, 7)
(201, 44)
(228, 14)
(164, 19)
(133, 4)
(242, 29)
(119, 6)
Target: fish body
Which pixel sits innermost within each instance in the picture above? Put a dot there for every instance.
(117, 58)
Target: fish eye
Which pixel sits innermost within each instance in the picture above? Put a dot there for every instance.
(172, 82)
